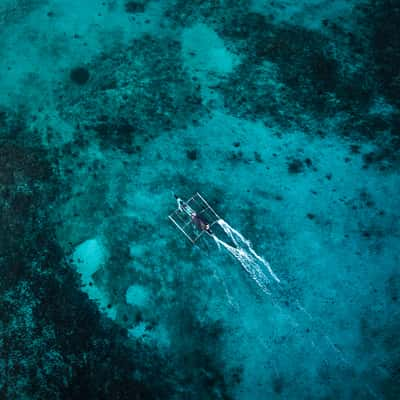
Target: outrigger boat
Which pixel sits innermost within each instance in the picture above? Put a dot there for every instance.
(194, 217)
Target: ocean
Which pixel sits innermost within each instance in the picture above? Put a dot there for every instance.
(276, 122)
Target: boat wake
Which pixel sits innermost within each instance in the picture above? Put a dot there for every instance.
(243, 251)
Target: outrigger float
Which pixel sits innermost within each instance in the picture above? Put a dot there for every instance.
(194, 217)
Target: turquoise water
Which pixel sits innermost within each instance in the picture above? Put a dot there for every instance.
(284, 115)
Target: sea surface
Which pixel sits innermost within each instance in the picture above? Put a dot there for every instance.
(283, 115)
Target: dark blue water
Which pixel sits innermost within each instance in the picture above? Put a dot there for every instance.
(284, 115)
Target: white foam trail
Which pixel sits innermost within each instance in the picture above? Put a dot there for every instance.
(234, 234)
(245, 254)
(248, 264)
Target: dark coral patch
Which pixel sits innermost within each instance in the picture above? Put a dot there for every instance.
(191, 154)
(308, 162)
(79, 75)
(119, 133)
(278, 385)
(295, 166)
(134, 7)
(145, 87)
(383, 18)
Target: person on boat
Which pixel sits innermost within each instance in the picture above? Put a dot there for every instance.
(200, 222)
